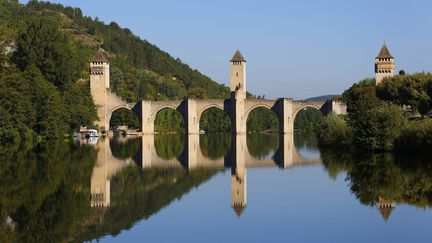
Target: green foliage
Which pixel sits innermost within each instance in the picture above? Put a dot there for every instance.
(79, 105)
(124, 148)
(169, 121)
(169, 146)
(50, 50)
(144, 67)
(124, 116)
(7, 36)
(59, 41)
(49, 106)
(357, 90)
(262, 145)
(45, 191)
(306, 119)
(378, 115)
(215, 145)
(262, 119)
(376, 127)
(333, 130)
(375, 123)
(137, 194)
(32, 104)
(416, 137)
(215, 120)
(372, 177)
(411, 91)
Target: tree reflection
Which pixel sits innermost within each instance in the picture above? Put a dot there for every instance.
(44, 192)
(169, 146)
(305, 140)
(125, 147)
(380, 179)
(137, 194)
(261, 145)
(215, 145)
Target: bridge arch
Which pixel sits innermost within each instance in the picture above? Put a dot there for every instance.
(176, 112)
(269, 106)
(119, 107)
(159, 108)
(303, 107)
(207, 107)
(248, 111)
(298, 107)
(211, 118)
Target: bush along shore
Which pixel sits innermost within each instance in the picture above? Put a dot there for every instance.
(394, 116)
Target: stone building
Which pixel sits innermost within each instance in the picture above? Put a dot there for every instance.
(384, 65)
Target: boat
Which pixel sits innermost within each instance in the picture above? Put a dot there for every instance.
(91, 133)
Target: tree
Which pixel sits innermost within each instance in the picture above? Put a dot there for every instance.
(6, 43)
(50, 50)
(376, 124)
(333, 130)
(410, 91)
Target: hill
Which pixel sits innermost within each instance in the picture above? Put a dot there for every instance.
(320, 98)
(139, 69)
(45, 50)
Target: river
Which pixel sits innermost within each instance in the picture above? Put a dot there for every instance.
(211, 188)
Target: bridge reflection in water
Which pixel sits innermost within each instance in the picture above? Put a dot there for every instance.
(191, 158)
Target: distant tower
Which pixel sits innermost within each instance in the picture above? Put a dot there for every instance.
(99, 83)
(385, 207)
(238, 75)
(384, 65)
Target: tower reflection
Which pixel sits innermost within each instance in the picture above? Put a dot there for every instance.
(192, 158)
(238, 173)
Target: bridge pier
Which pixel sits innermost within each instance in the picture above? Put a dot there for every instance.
(237, 114)
(286, 120)
(192, 120)
(147, 119)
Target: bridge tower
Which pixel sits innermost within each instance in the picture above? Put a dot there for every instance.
(238, 75)
(238, 92)
(384, 65)
(99, 85)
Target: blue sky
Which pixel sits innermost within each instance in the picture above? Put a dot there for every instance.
(297, 49)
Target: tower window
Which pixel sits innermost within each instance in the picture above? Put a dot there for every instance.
(237, 74)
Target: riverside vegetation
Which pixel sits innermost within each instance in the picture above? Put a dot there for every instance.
(392, 116)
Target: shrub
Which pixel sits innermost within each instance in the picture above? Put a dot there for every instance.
(332, 131)
(416, 137)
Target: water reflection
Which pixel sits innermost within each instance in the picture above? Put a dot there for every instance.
(384, 180)
(193, 152)
(69, 192)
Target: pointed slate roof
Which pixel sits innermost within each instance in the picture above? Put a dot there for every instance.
(384, 52)
(238, 57)
(238, 211)
(385, 213)
(100, 56)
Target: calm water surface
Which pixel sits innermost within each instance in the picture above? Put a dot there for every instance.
(212, 188)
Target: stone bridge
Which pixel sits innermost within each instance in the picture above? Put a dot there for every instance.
(237, 107)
